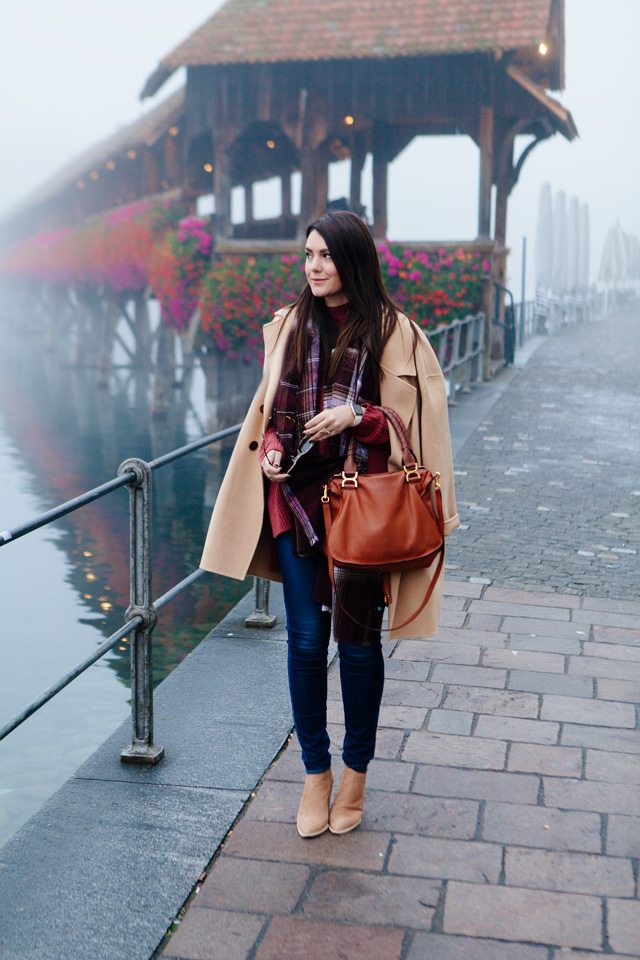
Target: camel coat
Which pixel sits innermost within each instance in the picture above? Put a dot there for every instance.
(239, 540)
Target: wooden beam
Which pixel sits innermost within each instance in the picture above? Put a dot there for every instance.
(380, 167)
(222, 191)
(286, 194)
(248, 202)
(486, 170)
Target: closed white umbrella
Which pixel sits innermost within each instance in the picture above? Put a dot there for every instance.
(573, 245)
(584, 258)
(544, 239)
(559, 271)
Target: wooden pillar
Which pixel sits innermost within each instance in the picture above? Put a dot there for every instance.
(486, 171)
(222, 190)
(358, 156)
(172, 169)
(322, 183)
(309, 191)
(286, 194)
(150, 179)
(500, 268)
(248, 202)
(380, 166)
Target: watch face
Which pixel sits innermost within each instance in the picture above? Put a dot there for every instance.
(357, 409)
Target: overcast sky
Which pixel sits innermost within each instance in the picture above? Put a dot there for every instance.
(71, 73)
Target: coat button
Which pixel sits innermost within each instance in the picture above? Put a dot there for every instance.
(262, 408)
(253, 445)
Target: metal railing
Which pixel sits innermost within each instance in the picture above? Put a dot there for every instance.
(142, 614)
(460, 346)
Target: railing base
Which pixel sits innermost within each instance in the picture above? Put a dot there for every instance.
(141, 753)
(260, 616)
(258, 619)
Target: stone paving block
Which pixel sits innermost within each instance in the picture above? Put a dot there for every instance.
(435, 946)
(407, 670)
(565, 919)
(387, 775)
(537, 758)
(214, 935)
(626, 690)
(613, 767)
(412, 813)
(531, 596)
(257, 840)
(453, 603)
(474, 676)
(592, 795)
(569, 872)
(437, 781)
(254, 886)
(623, 924)
(580, 955)
(515, 728)
(406, 693)
(447, 859)
(561, 645)
(600, 738)
(615, 635)
(543, 628)
(460, 588)
(550, 683)
(505, 609)
(549, 829)
(604, 618)
(406, 718)
(434, 650)
(291, 938)
(525, 660)
(450, 721)
(612, 651)
(452, 618)
(372, 899)
(482, 700)
(592, 712)
(623, 836)
(480, 638)
(449, 750)
(610, 606)
(485, 622)
(599, 667)
(275, 800)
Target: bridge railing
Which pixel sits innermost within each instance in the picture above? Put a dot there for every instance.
(142, 613)
(459, 346)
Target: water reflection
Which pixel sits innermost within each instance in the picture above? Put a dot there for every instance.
(62, 434)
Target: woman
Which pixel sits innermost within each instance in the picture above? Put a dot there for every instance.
(331, 360)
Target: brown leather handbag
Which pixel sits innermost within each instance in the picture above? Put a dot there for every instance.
(385, 522)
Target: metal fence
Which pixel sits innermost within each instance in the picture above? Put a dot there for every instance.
(460, 346)
(142, 613)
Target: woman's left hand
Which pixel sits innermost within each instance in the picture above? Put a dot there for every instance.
(329, 423)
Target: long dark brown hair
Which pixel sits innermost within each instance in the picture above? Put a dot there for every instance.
(371, 313)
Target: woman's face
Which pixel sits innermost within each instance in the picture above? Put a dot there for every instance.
(322, 274)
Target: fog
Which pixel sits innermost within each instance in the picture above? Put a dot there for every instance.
(71, 74)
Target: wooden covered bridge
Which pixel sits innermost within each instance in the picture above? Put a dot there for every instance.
(276, 87)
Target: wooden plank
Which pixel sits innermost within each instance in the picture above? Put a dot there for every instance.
(486, 169)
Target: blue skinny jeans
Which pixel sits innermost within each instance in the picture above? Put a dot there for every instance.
(361, 671)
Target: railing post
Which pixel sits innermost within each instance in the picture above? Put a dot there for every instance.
(260, 616)
(142, 749)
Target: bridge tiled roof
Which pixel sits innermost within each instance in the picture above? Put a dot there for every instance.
(269, 31)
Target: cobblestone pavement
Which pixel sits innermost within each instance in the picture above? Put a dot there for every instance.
(502, 819)
(548, 486)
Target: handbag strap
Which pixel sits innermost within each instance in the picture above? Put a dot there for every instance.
(326, 508)
(408, 457)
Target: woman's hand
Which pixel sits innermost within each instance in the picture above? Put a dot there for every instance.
(271, 467)
(329, 423)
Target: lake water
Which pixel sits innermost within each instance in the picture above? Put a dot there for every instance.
(65, 587)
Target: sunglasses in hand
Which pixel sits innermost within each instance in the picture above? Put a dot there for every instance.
(289, 463)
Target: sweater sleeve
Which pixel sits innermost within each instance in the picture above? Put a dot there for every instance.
(270, 442)
(373, 429)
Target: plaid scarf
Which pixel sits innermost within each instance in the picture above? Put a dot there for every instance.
(296, 402)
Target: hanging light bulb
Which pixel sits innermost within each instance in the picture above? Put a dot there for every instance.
(349, 120)
(543, 49)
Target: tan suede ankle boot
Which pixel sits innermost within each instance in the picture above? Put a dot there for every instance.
(313, 812)
(346, 809)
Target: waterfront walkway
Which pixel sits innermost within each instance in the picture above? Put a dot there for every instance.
(502, 819)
